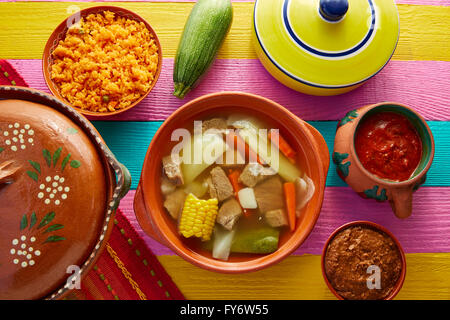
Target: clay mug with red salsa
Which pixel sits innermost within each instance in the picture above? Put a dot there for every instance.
(383, 152)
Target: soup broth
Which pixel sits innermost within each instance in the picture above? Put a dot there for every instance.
(233, 184)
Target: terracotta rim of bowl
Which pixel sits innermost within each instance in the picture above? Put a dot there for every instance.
(372, 176)
(375, 226)
(163, 232)
(60, 32)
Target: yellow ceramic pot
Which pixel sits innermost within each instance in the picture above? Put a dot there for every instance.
(325, 47)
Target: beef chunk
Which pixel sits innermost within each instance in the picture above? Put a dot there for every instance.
(218, 124)
(232, 159)
(167, 186)
(174, 203)
(269, 194)
(221, 184)
(229, 213)
(212, 190)
(172, 169)
(254, 173)
(276, 218)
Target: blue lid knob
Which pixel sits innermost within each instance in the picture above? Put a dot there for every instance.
(333, 10)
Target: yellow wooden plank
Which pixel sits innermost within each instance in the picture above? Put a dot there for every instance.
(26, 26)
(300, 277)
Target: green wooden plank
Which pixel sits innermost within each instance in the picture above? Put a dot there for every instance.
(129, 142)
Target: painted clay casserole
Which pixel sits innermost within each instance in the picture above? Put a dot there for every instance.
(325, 47)
(149, 200)
(363, 261)
(58, 194)
(391, 167)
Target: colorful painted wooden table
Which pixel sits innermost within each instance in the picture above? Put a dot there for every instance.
(418, 75)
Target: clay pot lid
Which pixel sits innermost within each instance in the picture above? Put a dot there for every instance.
(53, 193)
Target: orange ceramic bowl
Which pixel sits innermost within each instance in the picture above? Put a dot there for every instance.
(375, 226)
(60, 32)
(148, 203)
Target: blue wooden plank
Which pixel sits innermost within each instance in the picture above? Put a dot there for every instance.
(129, 142)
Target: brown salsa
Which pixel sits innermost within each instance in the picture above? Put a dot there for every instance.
(348, 258)
(388, 145)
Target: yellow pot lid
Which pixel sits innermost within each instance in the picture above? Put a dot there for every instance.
(327, 43)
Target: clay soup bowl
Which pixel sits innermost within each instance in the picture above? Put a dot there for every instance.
(148, 203)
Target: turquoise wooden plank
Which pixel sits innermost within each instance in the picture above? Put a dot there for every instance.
(129, 142)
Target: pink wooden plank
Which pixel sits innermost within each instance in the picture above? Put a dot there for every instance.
(426, 230)
(422, 85)
(419, 2)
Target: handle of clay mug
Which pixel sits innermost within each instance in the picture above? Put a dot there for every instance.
(401, 202)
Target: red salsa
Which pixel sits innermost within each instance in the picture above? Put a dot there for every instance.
(388, 145)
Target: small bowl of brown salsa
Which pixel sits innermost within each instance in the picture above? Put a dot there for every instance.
(363, 261)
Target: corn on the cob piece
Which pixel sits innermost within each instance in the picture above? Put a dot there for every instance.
(198, 217)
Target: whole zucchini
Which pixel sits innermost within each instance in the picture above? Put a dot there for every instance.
(204, 32)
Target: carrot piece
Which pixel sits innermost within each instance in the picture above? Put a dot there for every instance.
(283, 146)
(234, 179)
(243, 148)
(289, 193)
